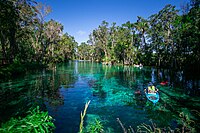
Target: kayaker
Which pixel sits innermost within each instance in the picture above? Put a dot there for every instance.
(164, 83)
(152, 89)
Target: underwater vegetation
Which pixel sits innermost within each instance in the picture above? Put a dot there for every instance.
(185, 125)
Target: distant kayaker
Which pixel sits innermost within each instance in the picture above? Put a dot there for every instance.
(164, 83)
(138, 92)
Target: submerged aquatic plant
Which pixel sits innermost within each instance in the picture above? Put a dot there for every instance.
(36, 121)
(129, 130)
(186, 123)
(95, 127)
(149, 128)
(82, 117)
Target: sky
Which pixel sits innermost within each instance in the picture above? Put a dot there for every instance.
(81, 17)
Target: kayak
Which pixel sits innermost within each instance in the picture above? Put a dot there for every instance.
(153, 97)
(164, 83)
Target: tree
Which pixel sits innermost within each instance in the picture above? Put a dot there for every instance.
(187, 35)
(102, 39)
(38, 34)
(68, 47)
(15, 21)
(142, 26)
(84, 51)
(160, 33)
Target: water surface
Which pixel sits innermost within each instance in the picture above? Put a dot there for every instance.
(64, 90)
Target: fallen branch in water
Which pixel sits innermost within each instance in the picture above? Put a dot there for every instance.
(82, 117)
(124, 129)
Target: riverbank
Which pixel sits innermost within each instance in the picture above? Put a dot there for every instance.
(13, 70)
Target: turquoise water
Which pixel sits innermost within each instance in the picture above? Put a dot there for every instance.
(64, 90)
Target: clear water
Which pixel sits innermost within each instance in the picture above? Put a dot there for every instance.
(64, 90)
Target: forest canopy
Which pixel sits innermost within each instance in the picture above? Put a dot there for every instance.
(25, 36)
(165, 39)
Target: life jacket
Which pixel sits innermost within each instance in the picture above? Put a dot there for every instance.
(153, 88)
(149, 88)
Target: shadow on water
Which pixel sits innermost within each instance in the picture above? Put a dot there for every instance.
(114, 91)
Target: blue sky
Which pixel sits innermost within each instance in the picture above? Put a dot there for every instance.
(80, 17)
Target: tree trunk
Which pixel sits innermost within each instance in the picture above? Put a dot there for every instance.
(13, 45)
(144, 41)
(106, 54)
(3, 41)
(52, 50)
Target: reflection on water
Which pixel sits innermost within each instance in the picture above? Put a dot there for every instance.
(114, 91)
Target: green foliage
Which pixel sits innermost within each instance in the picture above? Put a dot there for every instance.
(165, 39)
(26, 37)
(36, 121)
(84, 52)
(95, 127)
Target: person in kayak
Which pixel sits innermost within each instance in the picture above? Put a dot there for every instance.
(151, 89)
